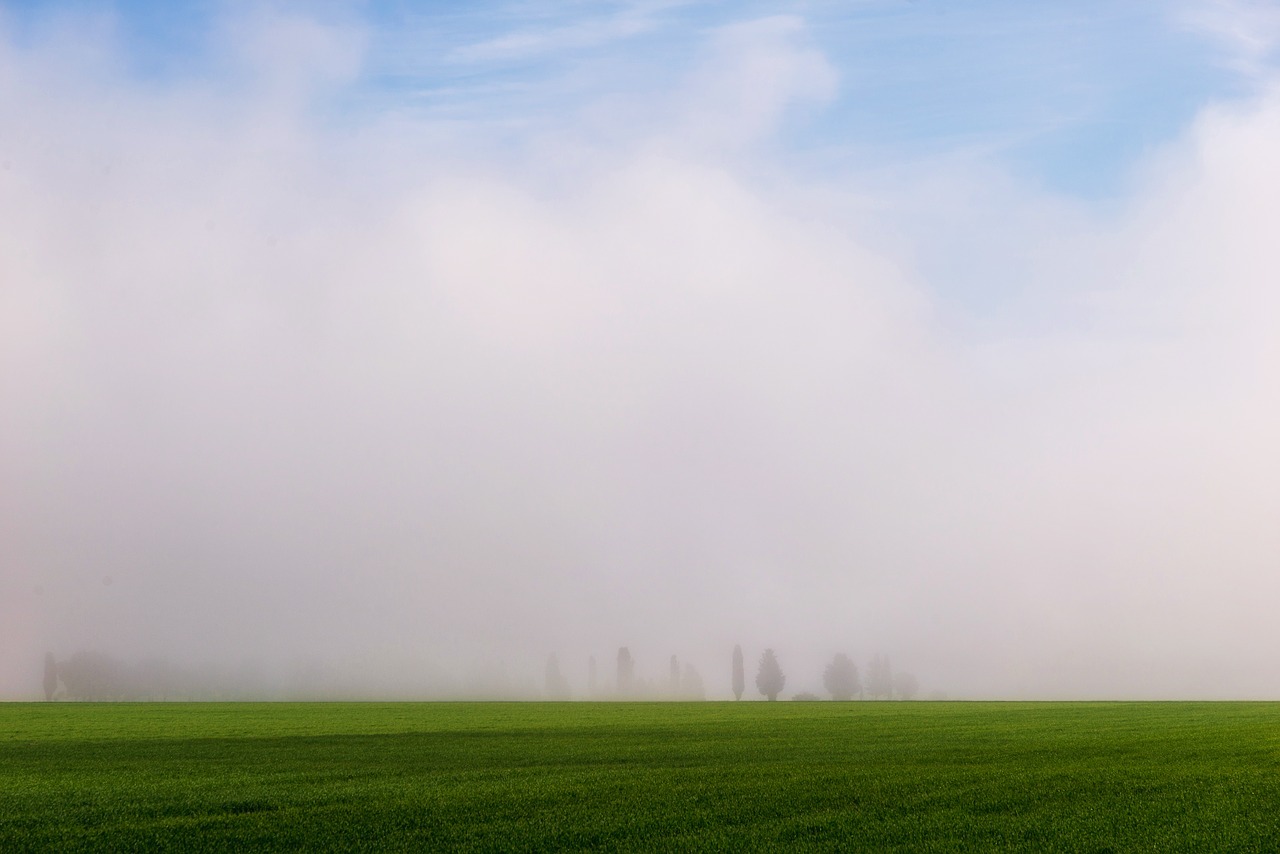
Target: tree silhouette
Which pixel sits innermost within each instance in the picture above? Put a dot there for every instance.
(770, 678)
(93, 676)
(739, 677)
(50, 676)
(906, 686)
(880, 677)
(557, 685)
(691, 684)
(591, 675)
(675, 677)
(626, 672)
(841, 678)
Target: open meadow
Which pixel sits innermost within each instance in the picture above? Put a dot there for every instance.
(672, 776)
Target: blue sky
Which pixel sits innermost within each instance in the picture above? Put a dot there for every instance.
(1066, 95)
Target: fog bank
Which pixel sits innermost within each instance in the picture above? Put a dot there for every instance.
(414, 403)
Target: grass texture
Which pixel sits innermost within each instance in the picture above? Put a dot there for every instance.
(642, 776)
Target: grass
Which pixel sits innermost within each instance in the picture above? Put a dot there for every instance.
(710, 776)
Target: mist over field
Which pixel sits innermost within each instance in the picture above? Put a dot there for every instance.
(306, 383)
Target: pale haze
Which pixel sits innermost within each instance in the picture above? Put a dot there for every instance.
(407, 348)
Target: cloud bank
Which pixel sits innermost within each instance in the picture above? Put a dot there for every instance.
(412, 401)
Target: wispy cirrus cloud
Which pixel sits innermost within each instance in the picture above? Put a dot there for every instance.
(1249, 31)
(565, 33)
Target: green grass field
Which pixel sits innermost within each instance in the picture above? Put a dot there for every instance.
(726, 776)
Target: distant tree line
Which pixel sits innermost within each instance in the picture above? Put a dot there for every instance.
(92, 675)
(840, 678)
(683, 682)
(95, 676)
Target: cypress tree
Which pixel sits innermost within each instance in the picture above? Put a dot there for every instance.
(739, 677)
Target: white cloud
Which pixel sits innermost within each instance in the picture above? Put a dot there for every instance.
(284, 52)
(754, 72)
